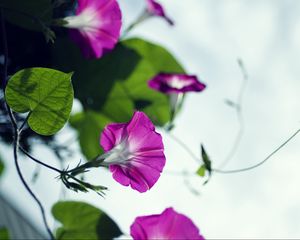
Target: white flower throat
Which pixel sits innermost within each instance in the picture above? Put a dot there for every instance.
(177, 83)
(87, 20)
(119, 154)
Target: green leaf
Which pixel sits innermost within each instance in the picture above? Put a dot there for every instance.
(116, 84)
(4, 234)
(206, 160)
(47, 95)
(83, 221)
(201, 171)
(29, 14)
(89, 126)
(112, 87)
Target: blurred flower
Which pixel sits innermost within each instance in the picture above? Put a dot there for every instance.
(167, 225)
(156, 9)
(176, 83)
(95, 27)
(134, 152)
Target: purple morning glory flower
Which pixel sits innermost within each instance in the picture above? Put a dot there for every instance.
(156, 9)
(176, 83)
(134, 152)
(96, 26)
(167, 225)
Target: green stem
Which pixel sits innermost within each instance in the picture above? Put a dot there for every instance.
(145, 15)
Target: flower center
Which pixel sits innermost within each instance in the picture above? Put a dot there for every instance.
(119, 154)
(87, 20)
(177, 83)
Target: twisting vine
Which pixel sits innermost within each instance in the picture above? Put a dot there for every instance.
(17, 131)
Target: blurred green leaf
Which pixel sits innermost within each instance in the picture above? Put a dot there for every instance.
(4, 234)
(29, 14)
(112, 87)
(201, 171)
(116, 84)
(47, 95)
(89, 125)
(83, 221)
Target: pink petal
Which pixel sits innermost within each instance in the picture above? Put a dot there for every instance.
(119, 175)
(142, 138)
(185, 83)
(141, 119)
(112, 135)
(167, 225)
(156, 9)
(96, 4)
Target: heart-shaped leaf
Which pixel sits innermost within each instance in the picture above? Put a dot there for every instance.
(47, 95)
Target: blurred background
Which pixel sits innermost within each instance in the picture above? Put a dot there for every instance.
(208, 38)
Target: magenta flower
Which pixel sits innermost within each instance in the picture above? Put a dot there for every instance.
(134, 152)
(176, 83)
(167, 225)
(156, 9)
(96, 26)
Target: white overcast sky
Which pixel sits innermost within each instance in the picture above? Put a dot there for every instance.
(208, 37)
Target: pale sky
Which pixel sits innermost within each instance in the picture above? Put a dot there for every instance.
(207, 39)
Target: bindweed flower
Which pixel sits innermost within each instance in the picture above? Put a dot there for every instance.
(156, 9)
(176, 83)
(153, 8)
(134, 152)
(95, 27)
(167, 225)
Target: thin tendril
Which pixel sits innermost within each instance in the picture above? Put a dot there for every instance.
(239, 113)
(263, 161)
(235, 170)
